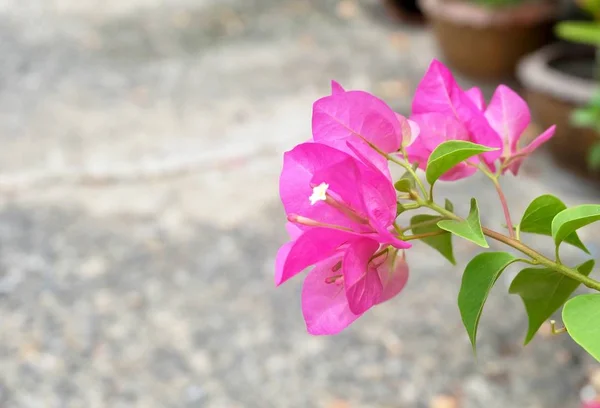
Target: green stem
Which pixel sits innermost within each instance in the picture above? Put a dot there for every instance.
(519, 246)
(421, 236)
(410, 170)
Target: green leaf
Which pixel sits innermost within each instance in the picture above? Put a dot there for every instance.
(477, 281)
(593, 157)
(570, 220)
(584, 32)
(581, 316)
(407, 181)
(404, 185)
(543, 291)
(468, 229)
(441, 243)
(539, 215)
(448, 205)
(449, 154)
(400, 209)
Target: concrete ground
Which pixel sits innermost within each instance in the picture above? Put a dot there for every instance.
(139, 218)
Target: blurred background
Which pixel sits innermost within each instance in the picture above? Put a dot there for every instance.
(139, 212)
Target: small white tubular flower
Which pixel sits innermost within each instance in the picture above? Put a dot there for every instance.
(319, 193)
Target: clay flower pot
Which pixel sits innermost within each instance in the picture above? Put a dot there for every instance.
(558, 79)
(486, 42)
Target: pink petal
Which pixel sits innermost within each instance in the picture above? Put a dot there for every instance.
(414, 131)
(439, 92)
(410, 130)
(362, 283)
(387, 238)
(522, 154)
(324, 305)
(394, 275)
(336, 88)
(538, 141)
(301, 166)
(314, 245)
(476, 96)
(356, 114)
(293, 230)
(436, 128)
(379, 202)
(509, 116)
(365, 154)
(418, 152)
(280, 258)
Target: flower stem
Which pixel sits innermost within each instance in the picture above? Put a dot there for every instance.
(519, 246)
(503, 202)
(410, 170)
(421, 236)
(509, 224)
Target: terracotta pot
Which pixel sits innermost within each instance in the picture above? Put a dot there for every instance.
(405, 10)
(557, 80)
(487, 42)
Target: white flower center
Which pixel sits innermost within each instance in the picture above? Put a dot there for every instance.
(319, 193)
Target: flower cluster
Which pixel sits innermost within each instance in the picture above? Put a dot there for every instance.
(340, 200)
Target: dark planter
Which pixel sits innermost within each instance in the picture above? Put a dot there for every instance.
(405, 10)
(558, 79)
(487, 42)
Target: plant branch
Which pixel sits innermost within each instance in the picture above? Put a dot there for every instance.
(410, 170)
(421, 236)
(519, 246)
(504, 203)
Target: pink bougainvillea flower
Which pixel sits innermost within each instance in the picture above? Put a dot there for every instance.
(351, 120)
(439, 92)
(591, 404)
(436, 128)
(508, 114)
(339, 207)
(325, 304)
(334, 199)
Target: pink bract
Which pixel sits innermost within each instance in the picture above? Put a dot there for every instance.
(438, 92)
(361, 203)
(347, 116)
(351, 120)
(325, 306)
(508, 114)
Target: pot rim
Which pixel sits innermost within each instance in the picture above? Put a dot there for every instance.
(535, 72)
(470, 14)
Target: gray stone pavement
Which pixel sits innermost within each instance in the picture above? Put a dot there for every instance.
(139, 217)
